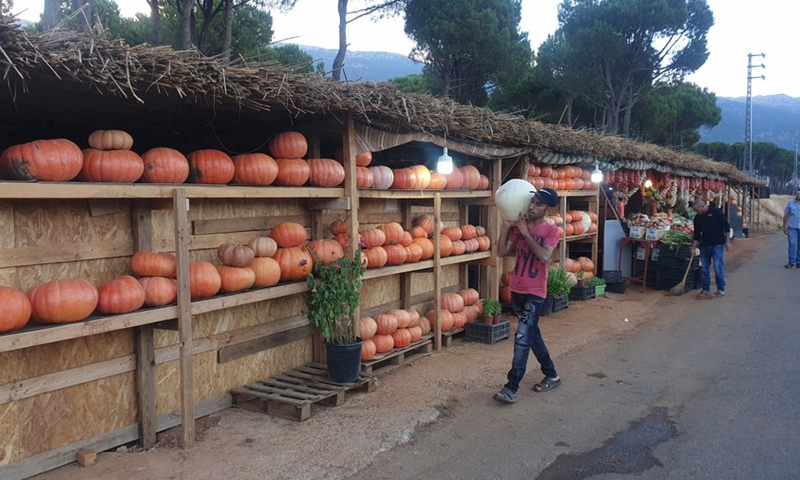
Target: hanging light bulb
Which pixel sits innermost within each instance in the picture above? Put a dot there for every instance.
(648, 183)
(444, 164)
(597, 174)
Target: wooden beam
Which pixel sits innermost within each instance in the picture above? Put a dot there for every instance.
(437, 271)
(185, 333)
(43, 254)
(228, 225)
(328, 204)
(235, 352)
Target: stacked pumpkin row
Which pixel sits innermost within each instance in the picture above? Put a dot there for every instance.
(575, 266)
(576, 223)
(393, 329)
(419, 177)
(458, 308)
(564, 178)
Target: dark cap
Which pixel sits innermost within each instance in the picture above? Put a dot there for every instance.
(548, 196)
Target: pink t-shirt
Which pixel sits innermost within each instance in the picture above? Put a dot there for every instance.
(530, 274)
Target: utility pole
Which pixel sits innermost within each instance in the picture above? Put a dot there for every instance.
(748, 122)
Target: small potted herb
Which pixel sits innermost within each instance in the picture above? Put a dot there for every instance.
(581, 280)
(558, 288)
(599, 285)
(491, 311)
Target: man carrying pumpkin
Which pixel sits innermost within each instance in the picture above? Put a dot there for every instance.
(533, 241)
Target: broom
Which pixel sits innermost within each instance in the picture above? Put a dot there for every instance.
(679, 288)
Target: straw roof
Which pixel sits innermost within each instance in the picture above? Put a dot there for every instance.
(143, 73)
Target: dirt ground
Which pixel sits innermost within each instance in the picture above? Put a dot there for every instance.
(338, 441)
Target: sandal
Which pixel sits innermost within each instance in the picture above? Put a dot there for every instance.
(504, 396)
(719, 294)
(546, 384)
(704, 295)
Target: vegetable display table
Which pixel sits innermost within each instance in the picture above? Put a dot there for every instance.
(648, 248)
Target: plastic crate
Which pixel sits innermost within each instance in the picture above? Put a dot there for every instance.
(560, 303)
(489, 334)
(616, 287)
(612, 276)
(669, 283)
(586, 292)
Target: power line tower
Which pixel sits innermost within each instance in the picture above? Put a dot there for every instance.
(748, 119)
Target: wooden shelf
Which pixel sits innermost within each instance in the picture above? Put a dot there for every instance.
(414, 194)
(577, 193)
(59, 190)
(573, 238)
(424, 265)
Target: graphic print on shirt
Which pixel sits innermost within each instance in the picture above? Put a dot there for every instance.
(526, 264)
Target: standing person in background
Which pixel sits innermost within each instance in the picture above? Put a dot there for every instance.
(533, 241)
(791, 228)
(712, 236)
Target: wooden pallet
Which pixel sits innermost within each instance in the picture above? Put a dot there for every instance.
(291, 394)
(399, 356)
(447, 337)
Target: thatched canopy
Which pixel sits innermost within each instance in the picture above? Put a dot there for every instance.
(45, 69)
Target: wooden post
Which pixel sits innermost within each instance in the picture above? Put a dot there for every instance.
(594, 206)
(405, 278)
(562, 243)
(493, 231)
(142, 223)
(351, 188)
(181, 218)
(437, 270)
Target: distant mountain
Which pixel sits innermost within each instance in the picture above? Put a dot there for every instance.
(367, 66)
(776, 119)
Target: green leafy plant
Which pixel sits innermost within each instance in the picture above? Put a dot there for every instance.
(557, 282)
(595, 281)
(335, 297)
(491, 307)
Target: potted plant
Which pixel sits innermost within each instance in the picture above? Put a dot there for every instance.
(491, 311)
(332, 306)
(581, 280)
(558, 288)
(599, 285)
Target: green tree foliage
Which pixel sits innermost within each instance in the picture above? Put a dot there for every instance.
(468, 46)
(293, 56)
(413, 83)
(768, 159)
(672, 115)
(615, 50)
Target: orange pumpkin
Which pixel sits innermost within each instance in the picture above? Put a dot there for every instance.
(235, 279)
(325, 172)
(121, 166)
(295, 263)
(254, 169)
(470, 296)
(484, 243)
(455, 180)
(209, 166)
(121, 295)
(149, 264)
(266, 270)
(235, 255)
(452, 302)
(468, 231)
(288, 234)
(484, 183)
(63, 301)
(386, 324)
(292, 172)
(373, 237)
(445, 317)
(414, 318)
(263, 246)
(403, 317)
(16, 309)
(376, 257)
(505, 278)
(364, 159)
(383, 343)
(164, 165)
(393, 231)
(56, 160)
(505, 294)
(459, 248)
(480, 231)
(288, 145)
(363, 177)
(423, 176)
(427, 223)
(402, 338)
(471, 245)
(406, 240)
(415, 332)
(445, 246)
(418, 232)
(438, 181)
(159, 291)
(368, 350)
(472, 177)
(338, 226)
(459, 319)
(586, 263)
(367, 327)
(425, 325)
(326, 250)
(427, 247)
(403, 179)
(578, 228)
(413, 253)
(382, 177)
(204, 280)
(110, 140)
(395, 254)
(453, 233)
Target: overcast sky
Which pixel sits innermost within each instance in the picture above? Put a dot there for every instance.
(741, 27)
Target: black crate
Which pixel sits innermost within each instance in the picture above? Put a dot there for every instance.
(560, 303)
(668, 284)
(612, 276)
(617, 287)
(483, 333)
(666, 251)
(587, 292)
(675, 262)
(672, 274)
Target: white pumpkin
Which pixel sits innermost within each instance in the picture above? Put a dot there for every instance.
(513, 198)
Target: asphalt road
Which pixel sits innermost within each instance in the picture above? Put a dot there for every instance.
(709, 391)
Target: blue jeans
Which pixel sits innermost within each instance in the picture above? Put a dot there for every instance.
(528, 337)
(794, 239)
(709, 254)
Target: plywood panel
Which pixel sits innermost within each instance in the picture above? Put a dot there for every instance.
(58, 356)
(43, 222)
(380, 290)
(6, 224)
(9, 433)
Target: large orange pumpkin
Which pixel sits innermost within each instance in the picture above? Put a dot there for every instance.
(122, 166)
(438, 181)
(468, 231)
(425, 325)
(337, 227)
(453, 233)
(363, 177)
(165, 165)
(367, 328)
(376, 257)
(445, 246)
(406, 239)
(159, 291)
(149, 264)
(393, 231)
(387, 324)
(288, 145)
(472, 177)
(373, 237)
(459, 319)
(292, 172)
(427, 247)
(288, 234)
(459, 248)
(427, 222)
(445, 317)
(63, 301)
(423, 176)
(470, 296)
(254, 169)
(204, 280)
(209, 166)
(484, 243)
(413, 253)
(110, 140)
(403, 317)
(382, 177)
(56, 160)
(403, 179)
(402, 338)
(121, 295)
(395, 254)
(326, 250)
(383, 343)
(455, 179)
(235, 255)
(325, 172)
(452, 302)
(235, 279)
(416, 333)
(368, 350)
(295, 263)
(266, 270)
(16, 308)
(484, 183)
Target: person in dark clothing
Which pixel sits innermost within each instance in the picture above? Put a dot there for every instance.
(712, 237)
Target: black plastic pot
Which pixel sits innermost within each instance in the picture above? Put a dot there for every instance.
(344, 361)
